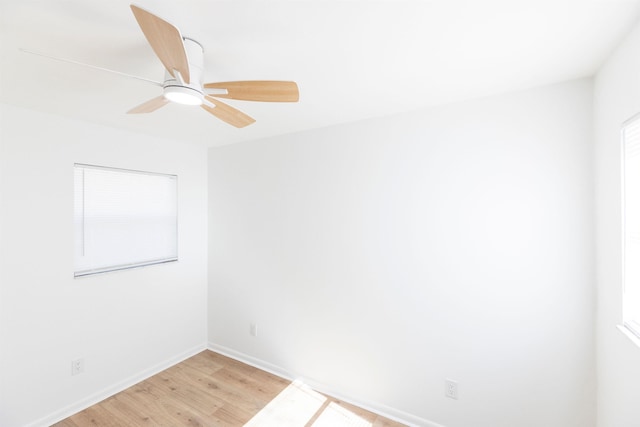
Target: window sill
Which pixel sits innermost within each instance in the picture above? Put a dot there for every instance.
(633, 337)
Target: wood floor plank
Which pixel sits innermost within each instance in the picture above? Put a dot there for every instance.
(217, 386)
(232, 416)
(67, 422)
(260, 391)
(148, 404)
(188, 393)
(205, 361)
(212, 390)
(96, 415)
(123, 409)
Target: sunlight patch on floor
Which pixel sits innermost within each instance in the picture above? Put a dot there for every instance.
(337, 416)
(294, 406)
(298, 405)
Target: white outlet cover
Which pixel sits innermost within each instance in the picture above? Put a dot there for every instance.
(77, 366)
(451, 389)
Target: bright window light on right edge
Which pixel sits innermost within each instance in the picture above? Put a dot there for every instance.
(631, 224)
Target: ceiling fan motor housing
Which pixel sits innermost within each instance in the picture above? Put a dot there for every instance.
(179, 91)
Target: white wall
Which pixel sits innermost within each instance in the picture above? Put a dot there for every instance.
(616, 98)
(379, 258)
(125, 324)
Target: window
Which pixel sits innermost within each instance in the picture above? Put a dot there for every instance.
(631, 224)
(123, 219)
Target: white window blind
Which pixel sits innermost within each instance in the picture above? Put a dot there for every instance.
(123, 219)
(631, 224)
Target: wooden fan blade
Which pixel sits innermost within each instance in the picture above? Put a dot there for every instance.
(258, 90)
(166, 41)
(149, 106)
(227, 113)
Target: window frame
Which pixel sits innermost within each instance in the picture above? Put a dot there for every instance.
(79, 272)
(630, 322)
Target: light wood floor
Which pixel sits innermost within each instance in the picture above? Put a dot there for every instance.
(209, 389)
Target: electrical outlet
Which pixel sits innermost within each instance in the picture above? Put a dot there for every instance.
(253, 329)
(77, 366)
(451, 389)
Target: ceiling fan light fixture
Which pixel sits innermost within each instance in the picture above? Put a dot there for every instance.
(183, 95)
(183, 61)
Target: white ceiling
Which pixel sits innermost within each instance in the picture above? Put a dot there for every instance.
(351, 59)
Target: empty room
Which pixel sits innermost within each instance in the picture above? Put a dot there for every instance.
(334, 213)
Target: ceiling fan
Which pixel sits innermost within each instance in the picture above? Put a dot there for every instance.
(182, 58)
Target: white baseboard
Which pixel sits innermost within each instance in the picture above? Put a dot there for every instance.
(377, 408)
(116, 388)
